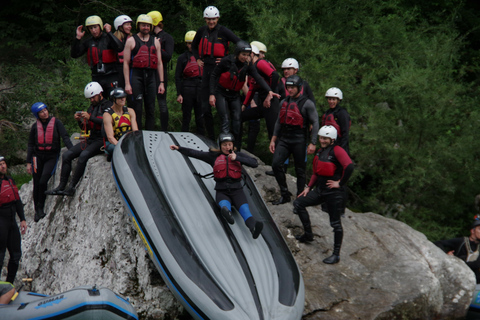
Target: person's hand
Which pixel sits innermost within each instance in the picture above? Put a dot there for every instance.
(107, 27)
(217, 61)
(29, 168)
(200, 63)
(161, 88)
(332, 184)
(77, 116)
(174, 147)
(23, 227)
(180, 98)
(79, 32)
(304, 192)
(232, 156)
(212, 100)
(253, 104)
(128, 89)
(311, 148)
(451, 253)
(272, 146)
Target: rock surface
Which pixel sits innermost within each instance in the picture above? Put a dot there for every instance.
(387, 269)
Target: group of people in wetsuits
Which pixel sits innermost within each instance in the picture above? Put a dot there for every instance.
(128, 69)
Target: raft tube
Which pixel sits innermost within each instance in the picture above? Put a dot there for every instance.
(85, 302)
(216, 270)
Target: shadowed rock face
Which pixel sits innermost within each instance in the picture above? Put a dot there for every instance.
(387, 269)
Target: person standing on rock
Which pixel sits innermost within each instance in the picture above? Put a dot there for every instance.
(43, 152)
(10, 205)
(465, 248)
(332, 167)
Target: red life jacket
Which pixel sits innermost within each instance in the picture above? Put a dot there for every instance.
(8, 191)
(286, 91)
(235, 78)
(323, 164)
(98, 52)
(291, 112)
(144, 55)
(226, 168)
(210, 47)
(331, 120)
(192, 69)
(120, 54)
(45, 139)
(265, 69)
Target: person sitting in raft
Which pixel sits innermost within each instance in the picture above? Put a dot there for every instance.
(227, 173)
(465, 248)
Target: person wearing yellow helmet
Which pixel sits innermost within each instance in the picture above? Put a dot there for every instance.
(101, 50)
(209, 46)
(167, 45)
(262, 48)
(188, 79)
(142, 64)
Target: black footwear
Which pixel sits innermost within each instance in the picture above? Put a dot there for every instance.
(70, 191)
(55, 192)
(332, 259)
(227, 215)
(282, 200)
(257, 229)
(39, 214)
(270, 173)
(109, 157)
(304, 238)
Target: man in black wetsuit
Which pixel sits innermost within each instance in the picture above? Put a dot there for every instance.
(465, 248)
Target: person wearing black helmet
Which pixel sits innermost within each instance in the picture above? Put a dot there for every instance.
(296, 115)
(465, 248)
(227, 80)
(10, 239)
(227, 172)
(209, 45)
(43, 152)
(118, 120)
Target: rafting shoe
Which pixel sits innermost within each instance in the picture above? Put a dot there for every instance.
(282, 200)
(227, 215)
(304, 238)
(70, 191)
(55, 192)
(39, 214)
(332, 259)
(257, 229)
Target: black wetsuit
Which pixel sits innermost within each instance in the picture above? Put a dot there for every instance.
(460, 251)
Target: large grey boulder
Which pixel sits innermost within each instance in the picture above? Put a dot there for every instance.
(387, 269)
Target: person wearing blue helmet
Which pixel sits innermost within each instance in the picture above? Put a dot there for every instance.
(43, 151)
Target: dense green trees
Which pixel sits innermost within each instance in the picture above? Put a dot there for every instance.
(408, 71)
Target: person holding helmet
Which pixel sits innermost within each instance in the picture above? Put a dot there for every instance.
(290, 136)
(10, 238)
(142, 64)
(123, 27)
(209, 46)
(167, 45)
(227, 173)
(337, 116)
(227, 80)
(43, 151)
(188, 80)
(332, 167)
(290, 66)
(465, 248)
(101, 50)
(89, 121)
(118, 120)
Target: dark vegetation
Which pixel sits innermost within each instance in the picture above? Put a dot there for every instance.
(408, 70)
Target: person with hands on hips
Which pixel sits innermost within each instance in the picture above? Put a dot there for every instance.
(332, 167)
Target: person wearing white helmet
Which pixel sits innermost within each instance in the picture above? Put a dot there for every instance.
(101, 50)
(209, 46)
(337, 116)
(43, 151)
(188, 80)
(142, 64)
(290, 66)
(167, 45)
(332, 167)
(123, 27)
(89, 121)
(262, 48)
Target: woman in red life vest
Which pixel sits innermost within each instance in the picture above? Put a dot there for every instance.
(188, 80)
(227, 172)
(123, 27)
(43, 152)
(10, 205)
(337, 116)
(332, 167)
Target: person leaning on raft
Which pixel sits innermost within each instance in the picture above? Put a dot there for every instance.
(465, 248)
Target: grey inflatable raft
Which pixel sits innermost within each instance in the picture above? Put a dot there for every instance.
(80, 303)
(216, 270)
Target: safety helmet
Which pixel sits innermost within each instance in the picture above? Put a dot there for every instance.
(189, 36)
(117, 93)
(261, 47)
(334, 93)
(156, 17)
(290, 63)
(211, 12)
(37, 107)
(144, 18)
(294, 80)
(255, 49)
(328, 132)
(92, 89)
(93, 20)
(242, 46)
(222, 137)
(475, 223)
(2, 158)
(120, 20)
